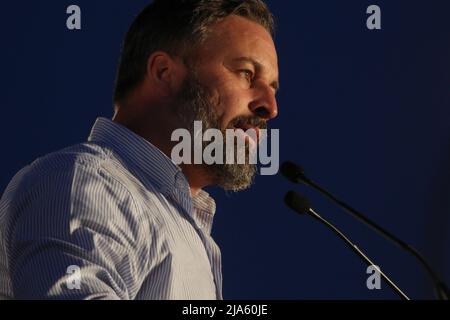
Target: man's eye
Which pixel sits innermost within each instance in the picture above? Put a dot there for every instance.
(247, 74)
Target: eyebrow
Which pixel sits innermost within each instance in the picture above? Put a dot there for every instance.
(258, 66)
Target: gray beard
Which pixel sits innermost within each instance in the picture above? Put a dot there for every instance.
(195, 103)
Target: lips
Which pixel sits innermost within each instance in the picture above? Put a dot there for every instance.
(248, 127)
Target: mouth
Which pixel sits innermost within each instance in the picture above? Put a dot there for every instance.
(250, 138)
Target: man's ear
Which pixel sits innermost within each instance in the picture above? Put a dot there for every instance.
(165, 72)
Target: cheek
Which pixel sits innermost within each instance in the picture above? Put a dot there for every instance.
(229, 98)
(233, 103)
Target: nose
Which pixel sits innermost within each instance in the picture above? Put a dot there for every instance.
(265, 104)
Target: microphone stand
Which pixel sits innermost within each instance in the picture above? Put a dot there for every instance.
(292, 198)
(295, 174)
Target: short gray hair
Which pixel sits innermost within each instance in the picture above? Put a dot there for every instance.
(177, 27)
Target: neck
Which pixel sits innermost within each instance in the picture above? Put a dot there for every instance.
(196, 177)
(155, 131)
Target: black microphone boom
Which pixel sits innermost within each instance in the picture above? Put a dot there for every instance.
(301, 205)
(296, 174)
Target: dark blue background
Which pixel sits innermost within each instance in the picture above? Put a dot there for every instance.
(367, 113)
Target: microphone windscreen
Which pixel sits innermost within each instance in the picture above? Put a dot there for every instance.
(297, 202)
(292, 172)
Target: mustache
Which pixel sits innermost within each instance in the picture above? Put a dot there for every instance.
(248, 121)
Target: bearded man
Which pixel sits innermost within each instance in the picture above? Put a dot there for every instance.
(115, 217)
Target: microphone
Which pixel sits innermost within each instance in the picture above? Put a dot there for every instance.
(296, 174)
(301, 205)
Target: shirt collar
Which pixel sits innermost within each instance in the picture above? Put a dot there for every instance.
(153, 168)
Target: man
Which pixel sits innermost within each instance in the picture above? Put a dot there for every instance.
(115, 218)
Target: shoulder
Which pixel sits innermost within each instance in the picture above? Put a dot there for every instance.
(70, 189)
(74, 175)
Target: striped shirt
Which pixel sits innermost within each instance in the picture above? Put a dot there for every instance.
(112, 218)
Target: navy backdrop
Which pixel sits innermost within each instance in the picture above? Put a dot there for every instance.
(367, 113)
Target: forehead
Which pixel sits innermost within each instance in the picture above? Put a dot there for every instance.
(236, 37)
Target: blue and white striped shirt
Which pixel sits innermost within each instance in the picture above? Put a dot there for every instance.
(118, 210)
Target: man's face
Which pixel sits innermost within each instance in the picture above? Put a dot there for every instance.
(232, 85)
(238, 63)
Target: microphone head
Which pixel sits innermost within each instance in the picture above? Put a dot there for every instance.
(293, 172)
(297, 202)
